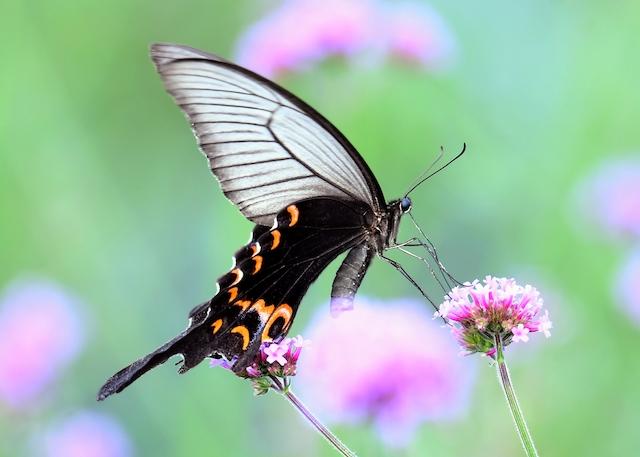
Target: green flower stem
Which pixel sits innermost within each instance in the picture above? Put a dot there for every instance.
(512, 400)
(324, 431)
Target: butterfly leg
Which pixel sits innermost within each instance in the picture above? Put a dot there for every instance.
(404, 273)
(431, 250)
(415, 241)
(429, 267)
(429, 247)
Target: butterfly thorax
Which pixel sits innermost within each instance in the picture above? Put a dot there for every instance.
(388, 222)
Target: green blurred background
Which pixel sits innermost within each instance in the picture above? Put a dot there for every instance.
(103, 190)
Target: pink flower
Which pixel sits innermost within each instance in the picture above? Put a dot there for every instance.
(628, 286)
(520, 333)
(40, 334)
(301, 33)
(253, 372)
(478, 312)
(87, 434)
(611, 196)
(416, 33)
(295, 346)
(299, 342)
(386, 363)
(275, 353)
(544, 324)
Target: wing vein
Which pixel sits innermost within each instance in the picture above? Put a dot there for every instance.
(319, 176)
(248, 163)
(269, 183)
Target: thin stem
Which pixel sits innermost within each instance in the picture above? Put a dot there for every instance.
(512, 400)
(324, 431)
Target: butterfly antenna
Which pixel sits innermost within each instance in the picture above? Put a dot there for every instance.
(418, 180)
(422, 178)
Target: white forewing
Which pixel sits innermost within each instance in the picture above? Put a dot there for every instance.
(265, 151)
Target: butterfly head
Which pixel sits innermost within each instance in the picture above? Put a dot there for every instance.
(405, 205)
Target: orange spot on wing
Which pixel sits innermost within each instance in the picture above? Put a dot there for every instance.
(244, 333)
(263, 309)
(244, 304)
(284, 311)
(216, 326)
(258, 260)
(233, 293)
(294, 213)
(276, 239)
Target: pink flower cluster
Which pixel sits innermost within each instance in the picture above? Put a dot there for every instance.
(40, 334)
(87, 434)
(277, 358)
(499, 306)
(611, 196)
(627, 286)
(384, 363)
(302, 32)
(416, 33)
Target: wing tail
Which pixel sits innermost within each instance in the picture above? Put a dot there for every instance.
(186, 344)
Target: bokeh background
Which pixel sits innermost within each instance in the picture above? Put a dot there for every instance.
(108, 210)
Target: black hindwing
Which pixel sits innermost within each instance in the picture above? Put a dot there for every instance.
(258, 299)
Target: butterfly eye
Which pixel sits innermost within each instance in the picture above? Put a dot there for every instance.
(405, 204)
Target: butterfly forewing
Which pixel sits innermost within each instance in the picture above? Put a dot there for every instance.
(266, 147)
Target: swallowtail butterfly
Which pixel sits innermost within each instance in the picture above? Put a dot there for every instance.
(292, 173)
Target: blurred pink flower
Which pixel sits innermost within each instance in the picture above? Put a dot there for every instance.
(416, 33)
(87, 434)
(611, 196)
(302, 32)
(478, 312)
(40, 333)
(387, 362)
(628, 285)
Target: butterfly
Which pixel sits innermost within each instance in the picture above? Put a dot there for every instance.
(309, 192)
